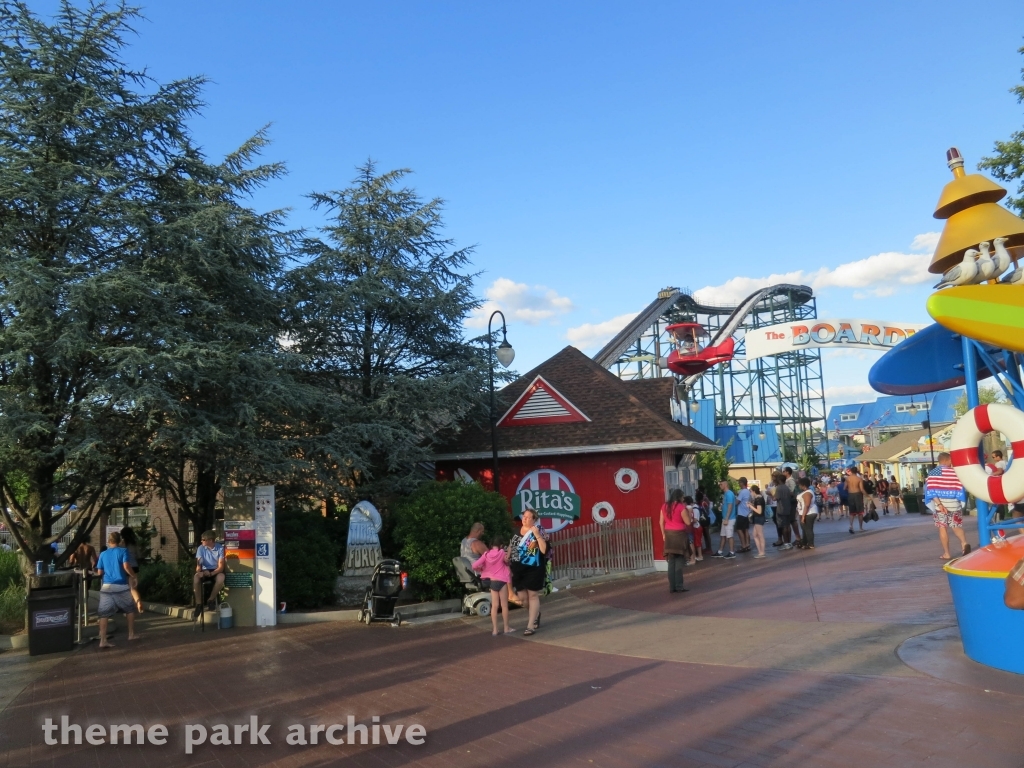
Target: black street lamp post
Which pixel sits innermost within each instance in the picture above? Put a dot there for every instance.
(505, 355)
(927, 424)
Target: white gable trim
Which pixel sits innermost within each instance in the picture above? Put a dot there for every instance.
(572, 410)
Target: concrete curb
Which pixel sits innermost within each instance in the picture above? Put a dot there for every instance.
(13, 642)
(416, 610)
(576, 583)
(318, 617)
(174, 611)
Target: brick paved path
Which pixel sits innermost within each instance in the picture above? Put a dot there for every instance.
(505, 701)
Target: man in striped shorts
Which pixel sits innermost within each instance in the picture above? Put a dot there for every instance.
(945, 496)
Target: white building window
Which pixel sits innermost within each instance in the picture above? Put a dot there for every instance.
(848, 417)
(905, 407)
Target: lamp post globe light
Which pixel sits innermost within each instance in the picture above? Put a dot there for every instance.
(505, 355)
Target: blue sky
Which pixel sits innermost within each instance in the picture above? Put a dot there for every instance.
(596, 152)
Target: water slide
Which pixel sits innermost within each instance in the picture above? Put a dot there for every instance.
(686, 304)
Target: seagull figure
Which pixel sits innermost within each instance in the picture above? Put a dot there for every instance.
(1015, 277)
(963, 273)
(1002, 257)
(986, 266)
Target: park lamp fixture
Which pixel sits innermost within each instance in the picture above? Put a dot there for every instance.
(505, 353)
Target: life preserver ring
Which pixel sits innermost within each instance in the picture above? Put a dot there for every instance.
(963, 452)
(627, 479)
(603, 512)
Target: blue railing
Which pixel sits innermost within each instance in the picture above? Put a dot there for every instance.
(1006, 373)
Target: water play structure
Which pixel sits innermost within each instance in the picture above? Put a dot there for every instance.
(978, 333)
(977, 336)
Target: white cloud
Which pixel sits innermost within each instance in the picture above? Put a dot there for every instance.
(857, 393)
(593, 335)
(926, 241)
(530, 304)
(877, 275)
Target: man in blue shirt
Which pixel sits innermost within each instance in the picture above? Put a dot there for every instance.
(115, 590)
(209, 566)
(728, 520)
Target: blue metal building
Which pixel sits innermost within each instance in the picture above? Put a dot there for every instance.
(894, 413)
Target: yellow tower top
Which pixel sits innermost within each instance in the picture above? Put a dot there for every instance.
(965, 190)
(969, 205)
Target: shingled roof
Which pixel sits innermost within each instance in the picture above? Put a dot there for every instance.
(622, 416)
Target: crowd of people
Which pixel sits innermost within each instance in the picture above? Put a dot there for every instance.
(792, 503)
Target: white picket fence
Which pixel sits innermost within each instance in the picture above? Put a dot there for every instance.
(582, 551)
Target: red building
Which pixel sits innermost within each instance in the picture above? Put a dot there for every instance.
(578, 444)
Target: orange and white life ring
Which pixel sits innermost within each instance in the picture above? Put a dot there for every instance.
(627, 479)
(963, 452)
(603, 512)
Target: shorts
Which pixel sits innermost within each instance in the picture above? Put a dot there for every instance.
(742, 523)
(497, 586)
(757, 519)
(112, 602)
(948, 519)
(528, 577)
(856, 503)
(728, 528)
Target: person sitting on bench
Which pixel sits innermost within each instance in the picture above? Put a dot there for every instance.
(209, 567)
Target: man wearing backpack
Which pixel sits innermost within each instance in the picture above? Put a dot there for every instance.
(869, 498)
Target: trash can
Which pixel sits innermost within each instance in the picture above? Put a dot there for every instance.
(52, 601)
(910, 502)
(988, 628)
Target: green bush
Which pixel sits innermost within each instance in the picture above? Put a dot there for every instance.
(431, 523)
(10, 569)
(12, 608)
(12, 593)
(310, 551)
(169, 583)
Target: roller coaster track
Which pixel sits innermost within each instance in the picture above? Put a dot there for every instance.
(684, 303)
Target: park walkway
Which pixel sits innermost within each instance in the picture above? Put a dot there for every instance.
(787, 661)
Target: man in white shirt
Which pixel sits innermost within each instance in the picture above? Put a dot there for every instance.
(210, 566)
(995, 465)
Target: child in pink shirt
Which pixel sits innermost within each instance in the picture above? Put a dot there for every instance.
(493, 565)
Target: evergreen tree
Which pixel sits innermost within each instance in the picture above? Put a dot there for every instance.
(376, 310)
(1008, 162)
(140, 318)
(216, 386)
(84, 143)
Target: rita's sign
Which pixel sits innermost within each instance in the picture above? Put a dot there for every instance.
(550, 495)
(865, 334)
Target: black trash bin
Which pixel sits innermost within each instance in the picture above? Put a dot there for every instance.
(52, 601)
(910, 501)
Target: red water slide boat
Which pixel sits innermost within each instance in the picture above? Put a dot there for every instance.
(689, 357)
